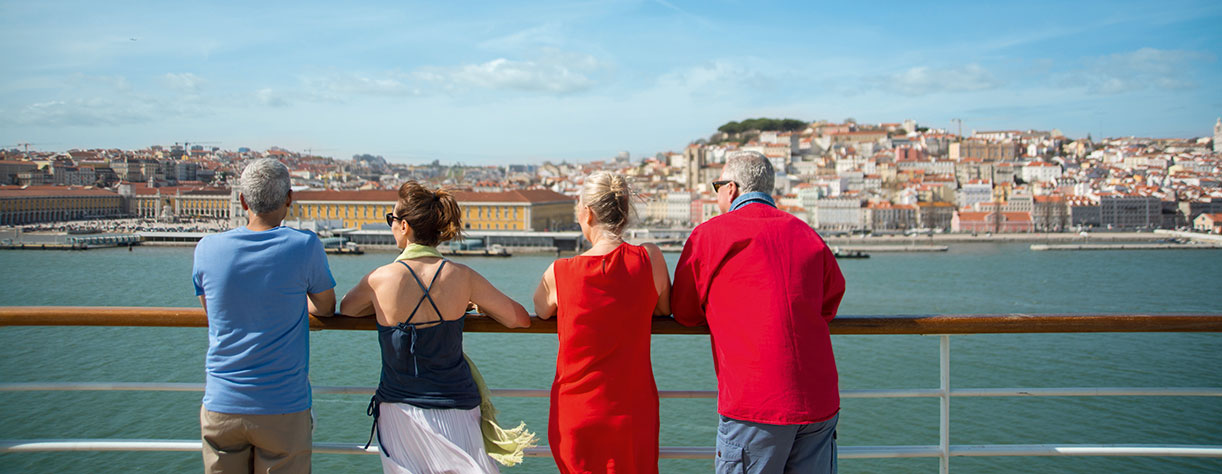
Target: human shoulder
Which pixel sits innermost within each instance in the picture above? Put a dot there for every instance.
(386, 273)
(652, 249)
(299, 234)
(217, 239)
(460, 269)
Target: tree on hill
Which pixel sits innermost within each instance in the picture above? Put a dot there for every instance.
(762, 124)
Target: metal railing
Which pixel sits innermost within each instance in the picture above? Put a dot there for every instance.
(941, 325)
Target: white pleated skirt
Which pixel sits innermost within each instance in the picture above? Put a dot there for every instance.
(429, 440)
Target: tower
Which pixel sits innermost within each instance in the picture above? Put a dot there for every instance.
(694, 158)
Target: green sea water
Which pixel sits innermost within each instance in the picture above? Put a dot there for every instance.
(970, 278)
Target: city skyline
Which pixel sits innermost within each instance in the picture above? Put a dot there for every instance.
(497, 84)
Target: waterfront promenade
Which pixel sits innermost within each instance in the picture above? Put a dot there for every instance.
(931, 242)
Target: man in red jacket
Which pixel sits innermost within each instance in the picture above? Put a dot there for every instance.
(767, 286)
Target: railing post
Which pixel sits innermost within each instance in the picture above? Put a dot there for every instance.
(944, 419)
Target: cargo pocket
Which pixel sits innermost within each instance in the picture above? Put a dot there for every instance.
(730, 457)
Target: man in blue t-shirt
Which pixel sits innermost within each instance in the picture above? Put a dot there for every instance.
(256, 284)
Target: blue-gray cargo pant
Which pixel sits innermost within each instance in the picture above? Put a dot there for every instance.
(748, 447)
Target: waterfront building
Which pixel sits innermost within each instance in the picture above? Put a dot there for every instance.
(843, 214)
(1129, 211)
(991, 221)
(526, 210)
(1050, 213)
(884, 216)
(1083, 212)
(1190, 210)
(35, 204)
(935, 215)
(1211, 223)
(181, 202)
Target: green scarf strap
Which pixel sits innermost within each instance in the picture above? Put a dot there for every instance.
(505, 446)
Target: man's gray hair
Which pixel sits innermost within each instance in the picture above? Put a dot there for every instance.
(265, 185)
(751, 170)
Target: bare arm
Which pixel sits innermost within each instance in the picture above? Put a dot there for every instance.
(204, 302)
(358, 301)
(496, 304)
(322, 304)
(661, 279)
(545, 294)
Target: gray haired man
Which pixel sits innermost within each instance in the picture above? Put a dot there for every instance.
(257, 283)
(767, 286)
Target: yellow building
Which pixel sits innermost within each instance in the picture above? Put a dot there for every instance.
(527, 210)
(180, 202)
(33, 204)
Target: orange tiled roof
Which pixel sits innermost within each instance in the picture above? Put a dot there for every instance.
(49, 191)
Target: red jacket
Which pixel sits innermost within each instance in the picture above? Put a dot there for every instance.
(767, 286)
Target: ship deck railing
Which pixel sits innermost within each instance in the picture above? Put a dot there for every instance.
(943, 326)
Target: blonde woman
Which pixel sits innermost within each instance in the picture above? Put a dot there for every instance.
(427, 406)
(604, 403)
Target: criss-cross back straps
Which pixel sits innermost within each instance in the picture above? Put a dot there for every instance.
(425, 290)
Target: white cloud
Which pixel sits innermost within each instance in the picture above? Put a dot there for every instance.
(271, 98)
(340, 87)
(724, 77)
(924, 80)
(1144, 68)
(82, 112)
(547, 35)
(556, 73)
(184, 82)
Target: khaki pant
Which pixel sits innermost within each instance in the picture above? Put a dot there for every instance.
(256, 443)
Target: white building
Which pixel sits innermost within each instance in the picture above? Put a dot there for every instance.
(679, 208)
(1218, 136)
(1041, 172)
(840, 214)
(975, 191)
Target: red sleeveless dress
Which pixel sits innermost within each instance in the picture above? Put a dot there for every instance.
(604, 405)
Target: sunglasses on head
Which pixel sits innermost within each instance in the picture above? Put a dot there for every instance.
(391, 218)
(718, 184)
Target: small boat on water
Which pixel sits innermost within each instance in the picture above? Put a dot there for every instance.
(348, 248)
(496, 250)
(839, 254)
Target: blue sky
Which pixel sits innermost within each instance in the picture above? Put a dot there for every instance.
(514, 82)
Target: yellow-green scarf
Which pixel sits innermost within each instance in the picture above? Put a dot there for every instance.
(505, 446)
(418, 251)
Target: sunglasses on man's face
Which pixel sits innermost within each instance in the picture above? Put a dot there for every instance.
(718, 184)
(391, 218)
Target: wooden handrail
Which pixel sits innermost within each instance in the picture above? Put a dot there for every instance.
(847, 324)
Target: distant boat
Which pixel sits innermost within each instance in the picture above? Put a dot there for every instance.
(839, 254)
(348, 248)
(495, 251)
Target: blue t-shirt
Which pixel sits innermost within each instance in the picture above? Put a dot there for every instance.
(255, 286)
